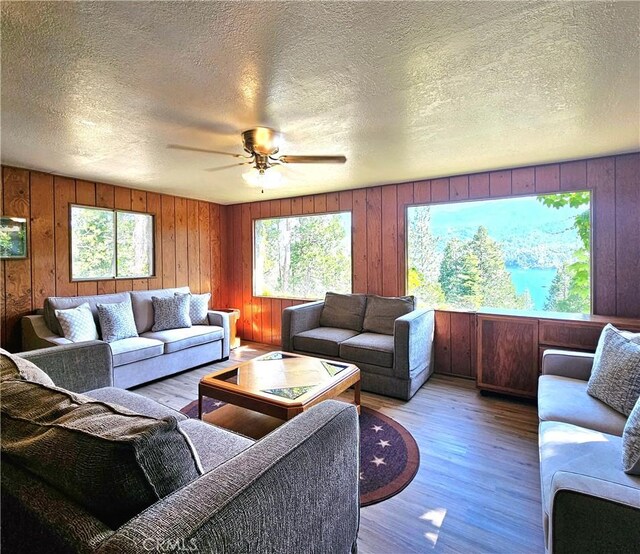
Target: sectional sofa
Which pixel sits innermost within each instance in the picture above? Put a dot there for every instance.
(589, 504)
(149, 356)
(296, 490)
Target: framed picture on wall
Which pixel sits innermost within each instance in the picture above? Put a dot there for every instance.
(13, 238)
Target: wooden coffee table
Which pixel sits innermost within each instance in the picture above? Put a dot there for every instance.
(280, 384)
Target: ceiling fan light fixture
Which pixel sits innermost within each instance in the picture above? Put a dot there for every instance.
(262, 179)
(261, 144)
(261, 140)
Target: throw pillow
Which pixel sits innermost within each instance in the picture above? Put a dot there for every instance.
(113, 462)
(77, 323)
(198, 307)
(345, 311)
(171, 312)
(382, 312)
(15, 367)
(116, 321)
(615, 377)
(631, 442)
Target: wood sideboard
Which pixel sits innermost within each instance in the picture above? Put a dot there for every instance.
(510, 345)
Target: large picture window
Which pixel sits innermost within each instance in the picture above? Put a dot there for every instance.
(302, 256)
(530, 253)
(110, 244)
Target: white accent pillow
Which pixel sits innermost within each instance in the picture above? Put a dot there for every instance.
(78, 324)
(198, 308)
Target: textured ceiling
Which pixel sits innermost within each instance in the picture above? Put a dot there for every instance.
(406, 91)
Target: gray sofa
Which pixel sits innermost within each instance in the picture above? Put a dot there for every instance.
(396, 361)
(589, 504)
(296, 490)
(149, 356)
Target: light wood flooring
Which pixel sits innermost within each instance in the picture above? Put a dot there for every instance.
(477, 489)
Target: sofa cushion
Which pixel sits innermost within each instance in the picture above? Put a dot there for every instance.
(213, 444)
(179, 339)
(134, 349)
(382, 312)
(369, 348)
(198, 307)
(54, 303)
(77, 324)
(572, 449)
(171, 312)
(615, 377)
(566, 400)
(134, 402)
(15, 367)
(143, 307)
(111, 461)
(322, 340)
(343, 311)
(116, 321)
(631, 442)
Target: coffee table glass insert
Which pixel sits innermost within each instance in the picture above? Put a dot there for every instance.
(280, 384)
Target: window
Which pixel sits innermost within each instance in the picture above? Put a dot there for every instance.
(110, 244)
(302, 257)
(516, 253)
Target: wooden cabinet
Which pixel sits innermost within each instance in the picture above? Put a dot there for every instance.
(508, 354)
(510, 346)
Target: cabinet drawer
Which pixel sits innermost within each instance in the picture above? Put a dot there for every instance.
(559, 333)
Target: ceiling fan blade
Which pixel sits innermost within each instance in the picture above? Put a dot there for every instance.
(192, 149)
(228, 166)
(312, 159)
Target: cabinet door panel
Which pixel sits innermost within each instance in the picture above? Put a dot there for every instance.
(508, 355)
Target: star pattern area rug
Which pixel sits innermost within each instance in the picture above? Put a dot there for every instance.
(389, 455)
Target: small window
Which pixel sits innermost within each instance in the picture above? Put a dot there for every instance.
(526, 253)
(110, 244)
(303, 256)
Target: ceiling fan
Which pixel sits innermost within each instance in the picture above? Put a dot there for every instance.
(262, 144)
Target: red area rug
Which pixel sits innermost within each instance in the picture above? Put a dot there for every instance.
(389, 455)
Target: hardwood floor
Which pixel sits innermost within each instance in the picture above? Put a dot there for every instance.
(477, 489)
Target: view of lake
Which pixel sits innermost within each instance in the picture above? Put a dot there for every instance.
(501, 253)
(537, 280)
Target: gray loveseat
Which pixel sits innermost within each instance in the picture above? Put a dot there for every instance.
(589, 504)
(387, 338)
(296, 490)
(149, 356)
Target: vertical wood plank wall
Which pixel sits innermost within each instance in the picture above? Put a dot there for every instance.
(219, 242)
(187, 240)
(378, 220)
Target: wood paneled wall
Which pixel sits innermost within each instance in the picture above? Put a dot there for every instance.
(187, 243)
(378, 219)
(209, 247)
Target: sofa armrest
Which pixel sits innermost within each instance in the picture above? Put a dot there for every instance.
(413, 343)
(297, 319)
(593, 515)
(36, 334)
(78, 367)
(576, 365)
(296, 490)
(221, 319)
